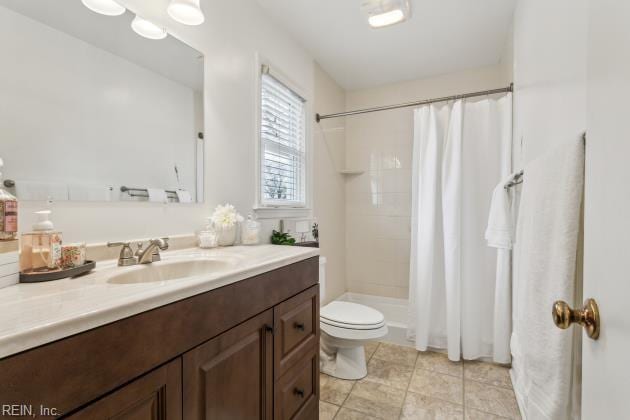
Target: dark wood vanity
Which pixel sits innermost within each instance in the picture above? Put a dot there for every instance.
(248, 350)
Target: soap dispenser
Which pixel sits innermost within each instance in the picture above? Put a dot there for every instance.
(41, 248)
(250, 233)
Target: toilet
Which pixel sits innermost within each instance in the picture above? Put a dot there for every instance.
(345, 328)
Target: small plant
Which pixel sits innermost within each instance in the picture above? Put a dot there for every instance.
(315, 231)
(279, 238)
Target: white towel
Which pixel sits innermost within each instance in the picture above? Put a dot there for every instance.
(545, 270)
(184, 196)
(500, 230)
(157, 195)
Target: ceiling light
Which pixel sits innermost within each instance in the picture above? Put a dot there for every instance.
(187, 12)
(382, 13)
(147, 28)
(104, 7)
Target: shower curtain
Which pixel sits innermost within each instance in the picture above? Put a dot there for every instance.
(461, 151)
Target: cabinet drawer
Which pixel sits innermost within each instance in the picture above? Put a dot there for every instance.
(296, 326)
(154, 396)
(297, 392)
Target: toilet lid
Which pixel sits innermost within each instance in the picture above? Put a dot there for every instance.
(349, 313)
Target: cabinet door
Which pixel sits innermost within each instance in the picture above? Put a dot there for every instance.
(154, 396)
(231, 376)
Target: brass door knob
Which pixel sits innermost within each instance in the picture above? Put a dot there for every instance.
(588, 316)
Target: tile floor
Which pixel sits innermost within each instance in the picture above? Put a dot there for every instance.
(403, 383)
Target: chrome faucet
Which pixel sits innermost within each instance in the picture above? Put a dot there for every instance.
(142, 255)
(152, 252)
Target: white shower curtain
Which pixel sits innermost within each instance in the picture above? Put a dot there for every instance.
(461, 151)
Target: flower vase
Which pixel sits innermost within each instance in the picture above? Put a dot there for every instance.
(226, 235)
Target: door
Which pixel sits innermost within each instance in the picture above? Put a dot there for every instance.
(605, 367)
(154, 396)
(231, 376)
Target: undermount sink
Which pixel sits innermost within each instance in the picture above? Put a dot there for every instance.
(167, 270)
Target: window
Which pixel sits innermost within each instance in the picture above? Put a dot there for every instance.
(282, 144)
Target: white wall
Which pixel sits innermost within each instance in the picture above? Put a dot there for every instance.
(550, 43)
(378, 202)
(329, 185)
(76, 114)
(232, 34)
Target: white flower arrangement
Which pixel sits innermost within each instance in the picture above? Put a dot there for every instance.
(225, 216)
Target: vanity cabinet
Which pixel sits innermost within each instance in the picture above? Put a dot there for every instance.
(248, 350)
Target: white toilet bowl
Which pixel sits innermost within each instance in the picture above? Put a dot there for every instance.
(345, 328)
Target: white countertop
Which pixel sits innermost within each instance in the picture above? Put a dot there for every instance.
(39, 313)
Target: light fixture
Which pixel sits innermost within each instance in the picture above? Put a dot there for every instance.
(381, 13)
(104, 7)
(187, 12)
(147, 29)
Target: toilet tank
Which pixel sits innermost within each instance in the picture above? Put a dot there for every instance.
(322, 279)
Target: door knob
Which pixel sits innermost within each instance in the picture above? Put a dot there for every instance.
(588, 316)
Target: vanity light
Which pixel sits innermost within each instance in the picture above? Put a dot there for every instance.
(187, 12)
(104, 7)
(147, 28)
(381, 13)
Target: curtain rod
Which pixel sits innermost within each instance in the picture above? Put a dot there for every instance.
(319, 117)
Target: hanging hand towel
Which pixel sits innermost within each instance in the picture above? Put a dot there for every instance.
(184, 196)
(500, 230)
(545, 256)
(157, 195)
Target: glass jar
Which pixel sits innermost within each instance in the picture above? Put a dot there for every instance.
(207, 237)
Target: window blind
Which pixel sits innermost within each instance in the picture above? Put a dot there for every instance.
(282, 136)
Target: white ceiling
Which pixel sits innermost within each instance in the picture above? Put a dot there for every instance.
(442, 36)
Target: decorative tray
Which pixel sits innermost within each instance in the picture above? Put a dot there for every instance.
(62, 273)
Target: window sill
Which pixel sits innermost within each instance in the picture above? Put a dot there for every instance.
(282, 212)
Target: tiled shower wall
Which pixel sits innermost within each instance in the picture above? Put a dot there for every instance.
(378, 202)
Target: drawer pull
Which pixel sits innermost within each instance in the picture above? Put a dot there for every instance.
(269, 328)
(299, 326)
(299, 392)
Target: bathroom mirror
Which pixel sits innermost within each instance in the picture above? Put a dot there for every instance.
(80, 90)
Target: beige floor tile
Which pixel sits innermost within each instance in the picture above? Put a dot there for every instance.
(421, 407)
(347, 414)
(437, 385)
(370, 348)
(488, 373)
(327, 411)
(438, 362)
(396, 354)
(388, 373)
(377, 400)
(472, 414)
(491, 399)
(333, 390)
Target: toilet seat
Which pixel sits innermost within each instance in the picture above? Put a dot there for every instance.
(351, 321)
(351, 316)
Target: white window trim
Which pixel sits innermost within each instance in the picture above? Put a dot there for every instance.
(266, 211)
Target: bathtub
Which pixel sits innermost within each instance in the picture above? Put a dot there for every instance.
(394, 310)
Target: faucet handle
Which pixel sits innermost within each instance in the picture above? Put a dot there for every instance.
(126, 256)
(139, 249)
